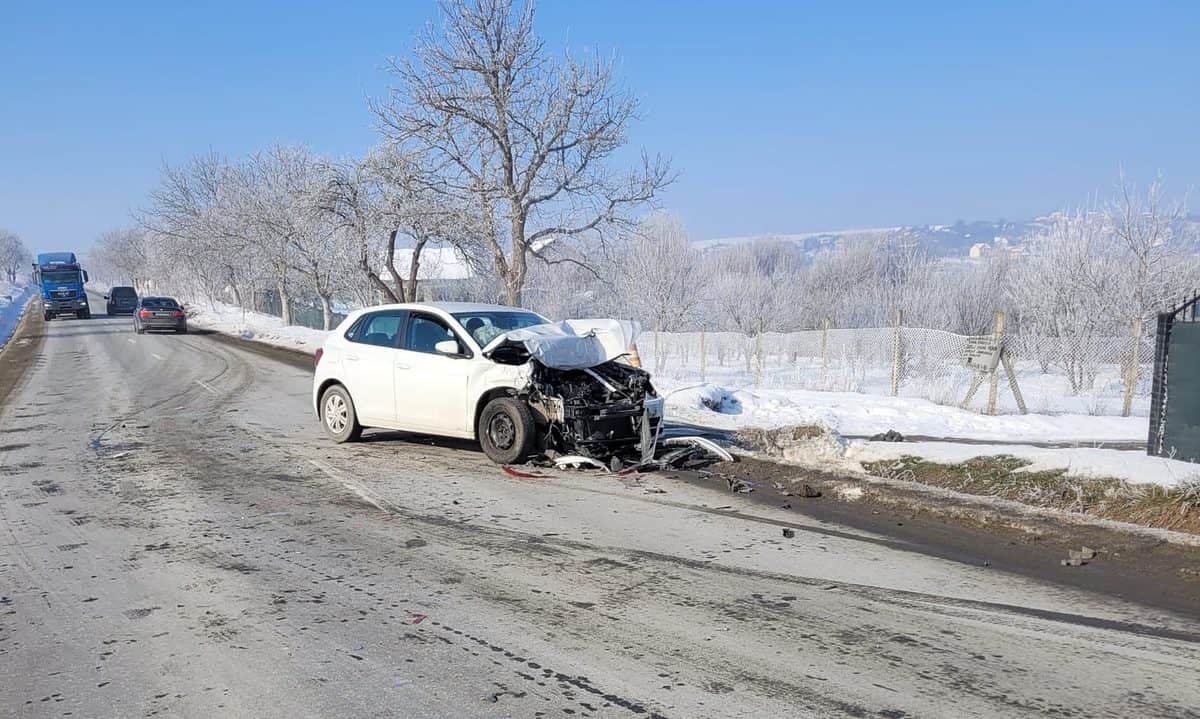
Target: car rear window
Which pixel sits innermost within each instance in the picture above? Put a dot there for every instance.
(159, 303)
(380, 329)
(123, 292)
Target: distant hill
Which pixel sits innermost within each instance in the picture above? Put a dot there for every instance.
(939, 240)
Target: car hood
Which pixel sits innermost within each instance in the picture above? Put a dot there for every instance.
(566, 345)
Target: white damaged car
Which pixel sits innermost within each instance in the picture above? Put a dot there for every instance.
(519, 384)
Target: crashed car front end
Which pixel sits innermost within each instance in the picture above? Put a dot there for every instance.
(610, 410)
(586, 399)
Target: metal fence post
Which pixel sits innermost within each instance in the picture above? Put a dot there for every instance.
(994, 379)
(896, 353)
(824, 352)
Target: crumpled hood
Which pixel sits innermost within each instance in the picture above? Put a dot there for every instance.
(571, 344)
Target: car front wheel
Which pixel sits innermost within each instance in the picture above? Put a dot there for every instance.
(506, 430)
(338, 416)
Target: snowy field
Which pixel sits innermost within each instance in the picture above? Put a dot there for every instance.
(729, 401)
(13, 298)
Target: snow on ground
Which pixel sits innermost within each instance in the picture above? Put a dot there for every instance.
(1131, 466)
(13, 299)
(847, 413)
(853, 414)
(256, 326)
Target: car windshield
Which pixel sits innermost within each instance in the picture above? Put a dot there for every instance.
(61, 276)
(488, 325)
(159, 303)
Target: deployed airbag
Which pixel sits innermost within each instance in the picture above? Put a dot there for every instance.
(571, 344)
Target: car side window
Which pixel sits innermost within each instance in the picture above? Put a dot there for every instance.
(425, 331)
(380, 329)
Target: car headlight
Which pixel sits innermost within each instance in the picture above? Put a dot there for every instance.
(46, 305)
(83, 302)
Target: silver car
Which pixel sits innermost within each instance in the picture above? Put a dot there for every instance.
(159, 313)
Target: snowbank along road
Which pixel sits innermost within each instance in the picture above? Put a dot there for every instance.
(177, 538)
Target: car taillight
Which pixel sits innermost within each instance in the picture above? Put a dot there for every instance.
(177, 313)
(145, 313)
(317, 356)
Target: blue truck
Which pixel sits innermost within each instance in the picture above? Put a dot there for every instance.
(60, 279)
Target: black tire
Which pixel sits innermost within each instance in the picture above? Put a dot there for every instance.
(181, 331)
(47, 316)
(138, 329)
(506, 430)
(338, 417)
(85, 315)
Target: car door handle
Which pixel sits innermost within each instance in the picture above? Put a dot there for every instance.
(351, 358)
(401, 366)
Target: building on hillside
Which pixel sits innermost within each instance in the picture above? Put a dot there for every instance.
(444, 273)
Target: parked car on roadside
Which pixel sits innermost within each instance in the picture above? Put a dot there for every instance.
(159, 313)
(121, 300)
(505, 376)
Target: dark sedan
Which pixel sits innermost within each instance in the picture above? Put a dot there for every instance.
(159, 313)
(121, 300)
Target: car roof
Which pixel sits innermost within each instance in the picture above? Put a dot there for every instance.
(447, 307)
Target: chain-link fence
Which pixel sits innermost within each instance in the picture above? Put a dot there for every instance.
(1055, 374)
(305, 313)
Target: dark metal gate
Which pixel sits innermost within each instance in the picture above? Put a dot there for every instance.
(1175, 399)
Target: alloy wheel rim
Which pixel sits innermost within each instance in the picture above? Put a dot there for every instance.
(336, 414)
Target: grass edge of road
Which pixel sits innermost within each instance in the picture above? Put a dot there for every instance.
(1176, 508)
(14, 354)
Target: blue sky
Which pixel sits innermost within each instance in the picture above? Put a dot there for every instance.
(780, 116)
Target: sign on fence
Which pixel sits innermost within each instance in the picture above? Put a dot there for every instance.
(982, 353)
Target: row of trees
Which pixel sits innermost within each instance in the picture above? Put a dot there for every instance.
(490, 143)
(14, 255)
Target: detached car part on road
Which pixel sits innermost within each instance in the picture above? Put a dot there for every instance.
(506, 377)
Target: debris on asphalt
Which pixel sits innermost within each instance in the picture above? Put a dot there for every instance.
(1079, 557)
(417, 618)
(522, 474)
(702, 443)
(808, 492)
(578, 461)
(889, 436)
(788, 533)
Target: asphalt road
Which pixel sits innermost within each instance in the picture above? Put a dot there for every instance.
(177, 538)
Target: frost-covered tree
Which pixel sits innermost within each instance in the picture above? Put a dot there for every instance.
(525, 137)
(658, 277)
(13, 254)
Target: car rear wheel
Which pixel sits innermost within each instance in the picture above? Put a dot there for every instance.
(506, 430)
(338, 416)
(48, 316)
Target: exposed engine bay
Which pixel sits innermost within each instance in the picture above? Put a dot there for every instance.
(603, 412)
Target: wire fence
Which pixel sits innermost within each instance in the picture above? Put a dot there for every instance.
(1080, 375)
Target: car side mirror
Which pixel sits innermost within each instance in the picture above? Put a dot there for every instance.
(106, 297)
(447, 347)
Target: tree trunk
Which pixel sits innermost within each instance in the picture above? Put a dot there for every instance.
(518, 266)
(1131, 372)
(326, 312)
(285, 303)
(414, 268)
(391, 267)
